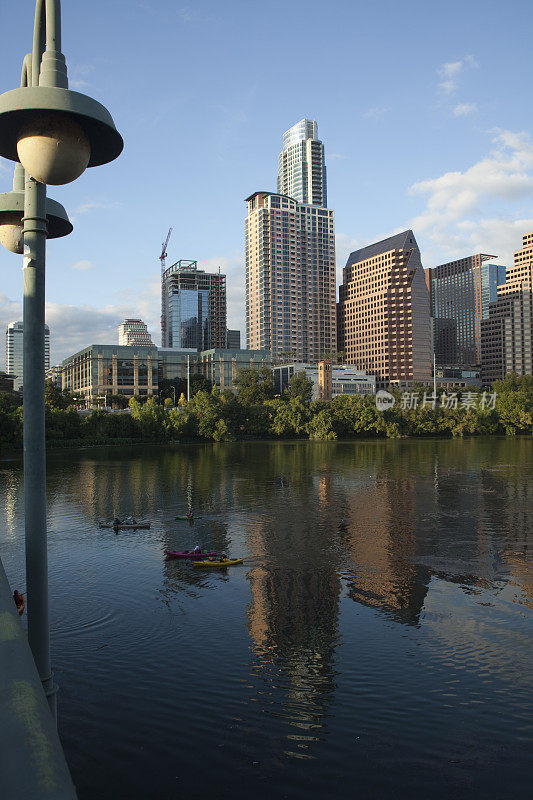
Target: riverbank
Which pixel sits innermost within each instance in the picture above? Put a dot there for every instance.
(223, 417)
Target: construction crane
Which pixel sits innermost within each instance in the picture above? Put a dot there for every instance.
(162, 259)
(163, 255)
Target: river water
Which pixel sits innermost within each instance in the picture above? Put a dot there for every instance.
(375, 644)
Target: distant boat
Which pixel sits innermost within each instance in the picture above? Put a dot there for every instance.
(124, 526)
(229, 562)
(186, 554)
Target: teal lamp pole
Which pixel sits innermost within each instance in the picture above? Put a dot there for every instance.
(55, 134)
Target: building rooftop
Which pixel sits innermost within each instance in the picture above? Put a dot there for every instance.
(400, 241)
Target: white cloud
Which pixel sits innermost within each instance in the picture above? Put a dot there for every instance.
(464, 109)
(451, 70)
(189, 15)
(81, 266)
(90, 205)
(376, 113)
(484, 208)
(77, 83)
(77, 75)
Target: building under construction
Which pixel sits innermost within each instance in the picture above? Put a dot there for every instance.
(193, 312)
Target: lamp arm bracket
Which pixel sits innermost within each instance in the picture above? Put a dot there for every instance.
(48, 62)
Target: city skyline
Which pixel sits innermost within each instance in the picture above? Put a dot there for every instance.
(460, 175)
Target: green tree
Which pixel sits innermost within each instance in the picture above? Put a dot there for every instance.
(55, 398)
(206, 408)
(514, 403)
(199, 383)
(301, 387)
(254, 386)
(289, 418)
(321, 425)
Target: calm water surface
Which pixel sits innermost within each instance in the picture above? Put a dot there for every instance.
(375, 644)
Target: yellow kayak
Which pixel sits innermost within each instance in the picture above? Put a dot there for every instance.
(229, 563)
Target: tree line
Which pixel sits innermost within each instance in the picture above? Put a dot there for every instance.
(256, 412)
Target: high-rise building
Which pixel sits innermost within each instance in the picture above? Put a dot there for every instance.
(195, 307)
(302, 165)
(132, 332)
(290, 278)
(507, 332)
(15, 350)
(383, 312)
(461, 292)
(290, 255)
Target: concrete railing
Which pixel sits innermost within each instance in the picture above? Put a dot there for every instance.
(32, 762)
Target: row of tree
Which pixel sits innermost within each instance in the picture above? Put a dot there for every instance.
(255, 411)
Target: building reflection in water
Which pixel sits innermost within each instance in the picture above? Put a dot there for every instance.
(293, 613)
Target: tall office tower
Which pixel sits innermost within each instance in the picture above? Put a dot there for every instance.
(15, 349)
(507, 332)
(302, 166)
(383, 313)
(461, 292)
(290, 278)
(195, 311)
(133, 332)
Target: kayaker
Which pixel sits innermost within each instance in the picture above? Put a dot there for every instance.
(189, 513)
(116, 522)
(20, 601)
(197, 549)
(223, 557)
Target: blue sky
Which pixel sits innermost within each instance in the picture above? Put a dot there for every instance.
(424, 109)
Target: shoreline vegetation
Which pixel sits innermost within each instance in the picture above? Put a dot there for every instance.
(255, 412)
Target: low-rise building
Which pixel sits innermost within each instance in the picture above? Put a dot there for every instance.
(101, 370)
(54, 374)
(221, 367)
(340, 379)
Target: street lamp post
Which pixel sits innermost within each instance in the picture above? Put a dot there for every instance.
(55, 134)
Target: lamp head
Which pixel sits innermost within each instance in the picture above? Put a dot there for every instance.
(11, 231)
(56, 133)
(53, 148)
(11, 224)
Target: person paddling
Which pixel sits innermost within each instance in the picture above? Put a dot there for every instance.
(197, 549)
(20, 601)
(190, 514)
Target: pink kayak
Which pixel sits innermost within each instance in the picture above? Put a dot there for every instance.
(178, 554)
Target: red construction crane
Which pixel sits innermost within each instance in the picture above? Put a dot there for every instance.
(162, 258)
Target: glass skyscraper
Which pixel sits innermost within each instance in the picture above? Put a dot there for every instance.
(302, 166)
(461, 292)
(194, 314)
